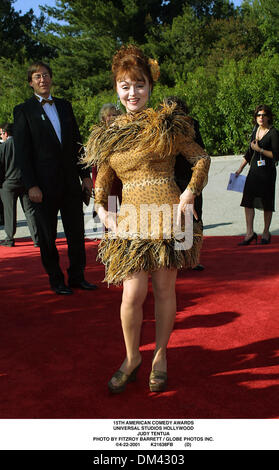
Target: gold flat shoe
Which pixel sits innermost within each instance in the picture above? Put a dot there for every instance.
(159, 386)
(122, 380)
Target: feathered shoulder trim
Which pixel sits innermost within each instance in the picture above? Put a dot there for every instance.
(149, 130)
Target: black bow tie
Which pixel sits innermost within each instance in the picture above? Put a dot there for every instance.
(46, 101)
(43, 101)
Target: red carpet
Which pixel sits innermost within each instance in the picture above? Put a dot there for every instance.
(57, 353)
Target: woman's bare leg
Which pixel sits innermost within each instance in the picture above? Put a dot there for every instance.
(267, 222)
(134, 294)
(249, 216)
(163, 282)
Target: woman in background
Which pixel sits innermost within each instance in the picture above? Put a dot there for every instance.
(259, 189)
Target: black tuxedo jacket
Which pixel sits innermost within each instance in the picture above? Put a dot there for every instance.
(43, 160)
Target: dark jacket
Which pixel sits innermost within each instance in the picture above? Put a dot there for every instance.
(9, 173)
(182, 168)
(43, 160)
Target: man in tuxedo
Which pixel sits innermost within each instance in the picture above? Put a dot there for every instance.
(48, 145)
(12, 188)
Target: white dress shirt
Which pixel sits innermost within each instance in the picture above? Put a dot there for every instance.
(52, 114)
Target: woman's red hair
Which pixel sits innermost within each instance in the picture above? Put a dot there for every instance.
(130, 61)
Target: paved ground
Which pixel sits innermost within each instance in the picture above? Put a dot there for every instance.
(222, 214)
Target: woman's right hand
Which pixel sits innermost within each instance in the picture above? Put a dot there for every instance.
(107, 218)
(243, 165)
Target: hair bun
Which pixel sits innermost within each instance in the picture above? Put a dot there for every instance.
(154, 68)
(132, 58)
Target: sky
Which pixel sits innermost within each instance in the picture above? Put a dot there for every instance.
(25, 5)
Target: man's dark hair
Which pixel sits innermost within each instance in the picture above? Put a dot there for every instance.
(267, 110)
(7, 127)
(35, 67)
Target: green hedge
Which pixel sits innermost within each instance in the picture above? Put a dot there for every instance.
(222, 99)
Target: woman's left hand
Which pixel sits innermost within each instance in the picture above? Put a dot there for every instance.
(187, 197)
(255, 146)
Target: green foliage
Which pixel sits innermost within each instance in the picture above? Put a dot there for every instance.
(87, 108)
(185, 39)
(240, 90)
(90, 33)
(14, 87)
(267, 11)
(18, 46)
(18, 34)
(223, 61)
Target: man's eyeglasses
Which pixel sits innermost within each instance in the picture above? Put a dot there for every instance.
(38, 76)
(261, 115)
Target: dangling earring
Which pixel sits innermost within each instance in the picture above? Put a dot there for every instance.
(118, 103)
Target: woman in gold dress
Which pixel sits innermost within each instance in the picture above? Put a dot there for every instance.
(140, 147)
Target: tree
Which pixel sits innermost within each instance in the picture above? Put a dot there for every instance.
(239, 92)
(265, 12)
(14, 86)
(179, 47)
(88, 34)
(269, 23)
(18, 47)
(18, 34)
(210, 54)
(201, 9)
(190, 39)
(234, 38)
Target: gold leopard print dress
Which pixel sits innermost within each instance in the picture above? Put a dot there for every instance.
(140, 149)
